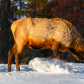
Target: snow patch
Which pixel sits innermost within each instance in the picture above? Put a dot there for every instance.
(27, 75)
(50, 65)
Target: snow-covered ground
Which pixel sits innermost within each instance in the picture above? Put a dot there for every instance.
(40, 71)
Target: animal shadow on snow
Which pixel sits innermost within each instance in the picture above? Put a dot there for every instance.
(22, 68)
(3, 68)
(25, 68)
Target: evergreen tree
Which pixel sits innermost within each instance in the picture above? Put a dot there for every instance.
(6, 17)
(35, 8)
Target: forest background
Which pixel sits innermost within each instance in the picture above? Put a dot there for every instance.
(11, 10)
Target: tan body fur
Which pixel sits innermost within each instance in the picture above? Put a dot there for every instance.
(56, 34)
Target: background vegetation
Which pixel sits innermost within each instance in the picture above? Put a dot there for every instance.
(11, 10)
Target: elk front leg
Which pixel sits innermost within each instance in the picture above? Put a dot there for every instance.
(59, 56)
(55, 49)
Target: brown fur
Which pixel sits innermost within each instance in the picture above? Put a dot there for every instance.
(56, 34)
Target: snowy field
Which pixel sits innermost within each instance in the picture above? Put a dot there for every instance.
(41, 71)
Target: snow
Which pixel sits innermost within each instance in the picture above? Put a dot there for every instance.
(41, 71)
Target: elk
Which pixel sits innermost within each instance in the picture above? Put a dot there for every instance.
(42, 33)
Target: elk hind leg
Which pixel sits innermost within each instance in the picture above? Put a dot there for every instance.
(19, 49)
(11, 54)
